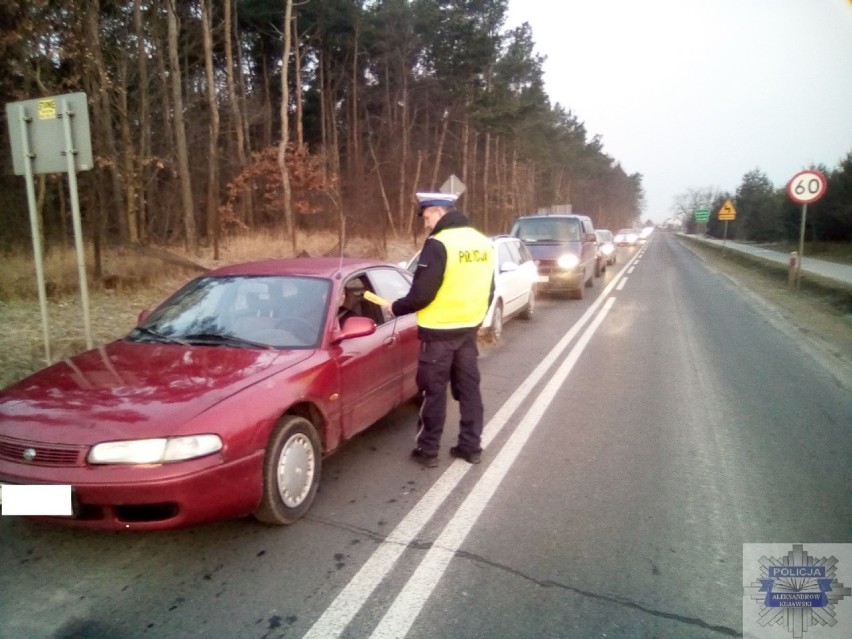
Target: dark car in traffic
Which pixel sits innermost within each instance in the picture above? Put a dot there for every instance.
(564, 248)
(222, 402)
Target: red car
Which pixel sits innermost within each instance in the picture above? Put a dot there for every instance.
(221, 402)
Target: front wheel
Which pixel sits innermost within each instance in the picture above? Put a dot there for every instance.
(291, 471)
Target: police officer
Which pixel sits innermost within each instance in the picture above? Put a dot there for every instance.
(452, 289)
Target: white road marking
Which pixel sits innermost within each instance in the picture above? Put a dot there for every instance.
(621, 283)
(351, 599)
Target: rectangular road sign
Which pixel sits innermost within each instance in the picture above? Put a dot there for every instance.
(42, 121)
(702, 215)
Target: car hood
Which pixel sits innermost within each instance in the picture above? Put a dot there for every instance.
(131, 389)
(552, 250)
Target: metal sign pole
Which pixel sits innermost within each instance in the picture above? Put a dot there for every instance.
(37, 252)
(70, 156)
(801, 246)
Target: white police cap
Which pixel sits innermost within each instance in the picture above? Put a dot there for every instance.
(435, 199)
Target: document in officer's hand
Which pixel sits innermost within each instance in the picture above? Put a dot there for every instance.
(375, 299)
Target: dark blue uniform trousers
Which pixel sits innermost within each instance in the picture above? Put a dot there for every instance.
(452, 361)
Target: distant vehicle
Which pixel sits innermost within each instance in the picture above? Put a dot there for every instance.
(645, 232)
(564, 248)
(222, 402)
(515, 279)
(606, 247)
(627, 237)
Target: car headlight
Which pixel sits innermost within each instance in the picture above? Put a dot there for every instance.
(568, 261)
(607, 249)
(155, 451)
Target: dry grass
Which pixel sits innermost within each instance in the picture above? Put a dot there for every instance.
(134, 280)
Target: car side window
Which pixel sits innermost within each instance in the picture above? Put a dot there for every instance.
(514, 253)
(390, 284)
(526, 256)
(504, 255)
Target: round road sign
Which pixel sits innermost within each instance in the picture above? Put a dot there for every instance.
(806, 187)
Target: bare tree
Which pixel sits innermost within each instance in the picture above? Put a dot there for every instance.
(191, 234)
(213, 146)
(285, 126)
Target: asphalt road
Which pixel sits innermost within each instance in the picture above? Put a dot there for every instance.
(635, 440)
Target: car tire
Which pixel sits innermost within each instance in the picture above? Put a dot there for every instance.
(496, 329)
(579, 292)
(598, 268)
(291, 471)
(529, 310)
(591, 281)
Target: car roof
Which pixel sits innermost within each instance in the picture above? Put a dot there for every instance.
(305, 266)
(573, 216)
(502, 239)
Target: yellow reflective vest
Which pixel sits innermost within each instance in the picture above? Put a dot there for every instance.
(462, 299)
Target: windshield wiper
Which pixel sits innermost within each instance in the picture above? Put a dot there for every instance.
(159, 336)
(220, 338)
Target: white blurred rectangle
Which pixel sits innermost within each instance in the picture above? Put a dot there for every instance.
(41, 500)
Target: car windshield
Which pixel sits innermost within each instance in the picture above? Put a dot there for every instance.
(241, 312)
(547, 230)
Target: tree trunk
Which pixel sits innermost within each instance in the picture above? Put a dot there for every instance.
(144, 120)
(300, 133)
(233, 103)
(128, 158)
(285, 126)
(404, 195)
(486, 183)
(190, 233)
(439, 154)
(104, 111)
(213, 146)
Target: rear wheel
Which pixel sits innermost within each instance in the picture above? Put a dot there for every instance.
(529, 309)
(291, 471)
(497, 322)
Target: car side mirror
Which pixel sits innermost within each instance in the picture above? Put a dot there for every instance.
(508, 267)
(591, 237)
(354, 327)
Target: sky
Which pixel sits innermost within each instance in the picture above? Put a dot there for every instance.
(694, 94)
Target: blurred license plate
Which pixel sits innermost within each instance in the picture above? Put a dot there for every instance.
(41, 500)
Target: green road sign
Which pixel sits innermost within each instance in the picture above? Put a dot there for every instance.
(702, 215)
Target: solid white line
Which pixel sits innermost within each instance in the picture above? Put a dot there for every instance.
(350, 600)
(410, 601)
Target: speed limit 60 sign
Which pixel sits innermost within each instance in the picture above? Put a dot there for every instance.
(806, 187)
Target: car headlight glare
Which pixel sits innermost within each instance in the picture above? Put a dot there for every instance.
(568, 261)
(607, 249)
(155, 451)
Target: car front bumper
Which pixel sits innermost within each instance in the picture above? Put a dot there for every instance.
(152, 497)
(553, 278)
